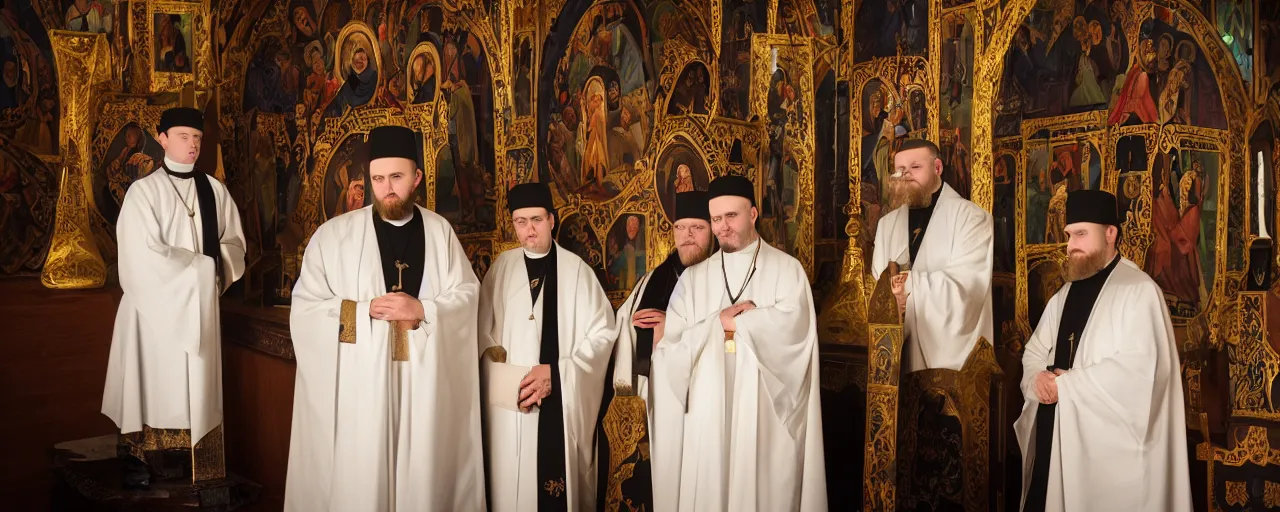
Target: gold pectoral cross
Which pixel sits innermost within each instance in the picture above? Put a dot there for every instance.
(399, 276)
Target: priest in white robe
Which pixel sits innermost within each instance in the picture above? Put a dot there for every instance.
(386, 408)
(943, 246)
(180, 246)
(735, 381)
(1102, 426)
(546, 330)
(641, 323)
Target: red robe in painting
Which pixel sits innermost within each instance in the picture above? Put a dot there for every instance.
(1135, 97)
(1173, 259)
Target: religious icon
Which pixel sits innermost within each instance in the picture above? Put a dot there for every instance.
(601, 113)
(885, 28)
(681, 168)
(1004, 216)
(29, 101)
(523, 94)
(691, 91)
(346, 177)
(576, 236)
(357, 69)
(132, 155)
(742, 20)
(273, 82)
(1183, 224)
(423, 80)
(93, 16)
(626, 252)
(172, 43)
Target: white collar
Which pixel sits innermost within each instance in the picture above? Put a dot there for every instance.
(535, 256)
(177, 167)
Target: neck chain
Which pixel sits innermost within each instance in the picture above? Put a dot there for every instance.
(733, 299)
(191, 210)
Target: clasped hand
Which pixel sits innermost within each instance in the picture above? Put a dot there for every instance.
(651, 318)
(728, 314)
(399, 308)
(1046, 386)
(898, 284)
(535, 386)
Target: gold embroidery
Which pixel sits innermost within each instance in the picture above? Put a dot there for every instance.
(400, 345)
(554, 487)
(496, 354)
(915, 234)
(533, 283)
(156, 439)
(347, 322)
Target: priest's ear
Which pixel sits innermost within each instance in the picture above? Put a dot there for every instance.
(1113, 236)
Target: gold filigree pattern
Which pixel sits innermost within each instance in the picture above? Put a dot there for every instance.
(1254, 365)
(1271, 495)
(208, 457)
(74, 261)
(626, 427)
(1237, 493)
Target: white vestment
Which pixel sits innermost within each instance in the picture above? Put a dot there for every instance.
(1120, 439)
(624, 351)
(165, 367)
(370, 433)
(585, 329)
(739, 431)
(949, 286)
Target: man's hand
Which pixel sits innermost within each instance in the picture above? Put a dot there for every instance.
(651, 318)
(535, 386)
(727, 315)
(397, 306)
(1046, 386)
(898, 284)
(648, 318)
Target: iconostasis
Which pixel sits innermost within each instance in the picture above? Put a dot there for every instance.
(618, 105)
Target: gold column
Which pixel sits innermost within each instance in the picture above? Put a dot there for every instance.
(74, 261)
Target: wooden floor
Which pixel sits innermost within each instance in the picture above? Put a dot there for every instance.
(53, 361)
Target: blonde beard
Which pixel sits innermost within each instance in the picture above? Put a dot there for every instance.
(1077, 268)
(398, 209)
(918, 195)
(694, 256)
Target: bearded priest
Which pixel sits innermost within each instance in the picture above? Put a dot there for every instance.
(641, 324)
(386, 412)
(546, 330)
(737, 421)
(942, 246)
(181, 246)
(1102, 427)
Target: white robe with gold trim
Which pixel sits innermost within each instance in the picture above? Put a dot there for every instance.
(754, 443)
(165, 367)
(586, 333)
(370, 433)
(1120, 440)
(949, 286)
